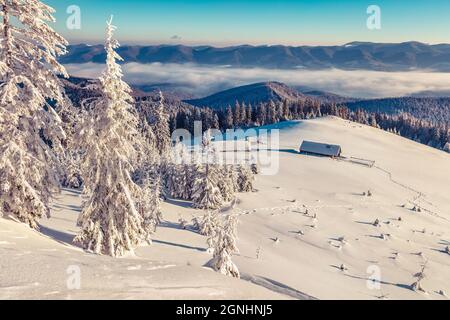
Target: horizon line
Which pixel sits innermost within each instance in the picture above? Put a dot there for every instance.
(123, 43)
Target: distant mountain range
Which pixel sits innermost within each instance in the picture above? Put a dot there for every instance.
(356, 55)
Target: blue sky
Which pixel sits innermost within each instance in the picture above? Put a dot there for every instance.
(221, 23)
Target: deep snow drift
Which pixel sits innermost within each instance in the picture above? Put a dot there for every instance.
(304, 223)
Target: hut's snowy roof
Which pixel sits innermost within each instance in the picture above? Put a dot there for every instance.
(321, 148)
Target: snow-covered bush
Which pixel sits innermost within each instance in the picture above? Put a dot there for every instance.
(420, 276)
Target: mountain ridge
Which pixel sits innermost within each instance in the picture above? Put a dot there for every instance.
(403, 56)
(249, 94)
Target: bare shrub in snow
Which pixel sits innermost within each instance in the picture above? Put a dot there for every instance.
(420, 276)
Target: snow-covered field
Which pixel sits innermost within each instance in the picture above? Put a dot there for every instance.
(305, 222)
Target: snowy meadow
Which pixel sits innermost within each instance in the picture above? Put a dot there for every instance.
(109, 194)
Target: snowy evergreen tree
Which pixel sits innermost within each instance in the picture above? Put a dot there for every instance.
(209, 227)
(72, 171)
(261, 114)
(149, 204)
(229, 120)
(249, 115)
(237, 114)
(245, 178)
(243, 114)
(110, 220)
(150, 154)
(30, 129)
(447, 147)
(171, 179)
(184, 172)
(161, 128)
(224, 247)
(70, 155)
(206, 193)
(227, 183)
(209, 224)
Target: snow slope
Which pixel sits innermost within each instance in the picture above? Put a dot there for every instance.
(406, 174)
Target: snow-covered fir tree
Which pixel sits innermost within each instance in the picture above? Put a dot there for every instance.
(69, 156)
(30, 129)
(184, 172)
(171, 177)
(161, 128)
(209, 224)
(110, 221)
(228, 183)
(447, 147)
(229, 119)
(150, 154)
(206, 193)
(149, 203)
(237, 114)
(174, 175)
(245, 178)
(224, 248)
(72, 177)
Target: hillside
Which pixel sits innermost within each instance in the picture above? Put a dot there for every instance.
(434, 109)
(79, 89)
(323, 96)
(356, 55)
(297, 265)
(249, 94)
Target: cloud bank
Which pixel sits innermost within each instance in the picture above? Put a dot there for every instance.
(200, 81)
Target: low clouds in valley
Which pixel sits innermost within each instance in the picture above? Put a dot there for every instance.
(200, 81)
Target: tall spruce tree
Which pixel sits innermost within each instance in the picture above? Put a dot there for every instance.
(229, 120)
(206, 193)
(110, 221)
(237, 114)
(161, 128)
(30, 129)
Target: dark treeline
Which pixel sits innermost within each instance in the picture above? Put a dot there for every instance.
(434, 134)
(247, 116)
